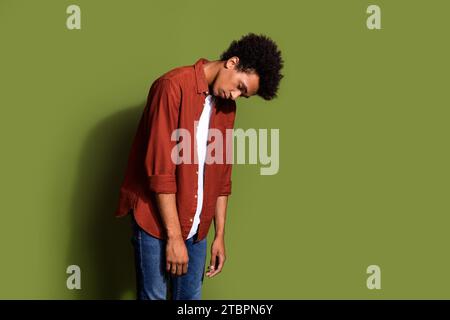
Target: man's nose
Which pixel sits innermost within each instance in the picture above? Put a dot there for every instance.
(235, 95)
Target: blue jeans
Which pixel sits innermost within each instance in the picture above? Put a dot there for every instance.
(153, 281)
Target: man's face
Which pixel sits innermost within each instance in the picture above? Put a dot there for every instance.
(231, 83)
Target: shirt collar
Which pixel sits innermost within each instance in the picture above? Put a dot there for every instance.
(202, 84)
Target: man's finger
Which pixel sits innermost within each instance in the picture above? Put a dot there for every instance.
(185, 268)
(213, 260)
(220, 260)
(168, 266)
(179, 269)
(212, 264)
(174, 268)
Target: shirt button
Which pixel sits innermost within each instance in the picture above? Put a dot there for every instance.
(196, 172)
(195, 196)
(190, 220)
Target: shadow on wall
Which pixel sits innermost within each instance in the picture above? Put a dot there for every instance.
(100, 243)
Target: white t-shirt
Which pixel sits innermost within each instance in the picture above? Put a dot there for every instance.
(202, 139)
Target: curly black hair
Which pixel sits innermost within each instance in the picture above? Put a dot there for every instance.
(260, 54)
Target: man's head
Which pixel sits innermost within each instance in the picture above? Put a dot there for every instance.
(250, 66)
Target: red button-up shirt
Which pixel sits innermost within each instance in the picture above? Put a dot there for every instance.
(176, 101)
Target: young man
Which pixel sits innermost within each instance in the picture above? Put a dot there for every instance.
(172, 203)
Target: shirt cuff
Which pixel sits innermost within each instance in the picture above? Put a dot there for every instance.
(226, 189)
(163, 183)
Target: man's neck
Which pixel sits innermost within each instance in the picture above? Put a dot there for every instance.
(211, 70)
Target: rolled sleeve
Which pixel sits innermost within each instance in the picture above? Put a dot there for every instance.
(162, 119)
(226, 188)
(163, 183)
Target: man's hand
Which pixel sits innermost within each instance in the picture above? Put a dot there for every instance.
(217, 257)
(177, 257)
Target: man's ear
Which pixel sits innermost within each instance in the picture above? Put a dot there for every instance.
(232, 62)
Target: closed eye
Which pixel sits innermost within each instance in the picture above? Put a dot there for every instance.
(244, 89)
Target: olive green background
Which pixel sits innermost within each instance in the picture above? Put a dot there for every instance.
(364, 161)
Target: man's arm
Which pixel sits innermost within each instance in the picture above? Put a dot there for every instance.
(162, 119)
(177, 257)
(218, 254)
